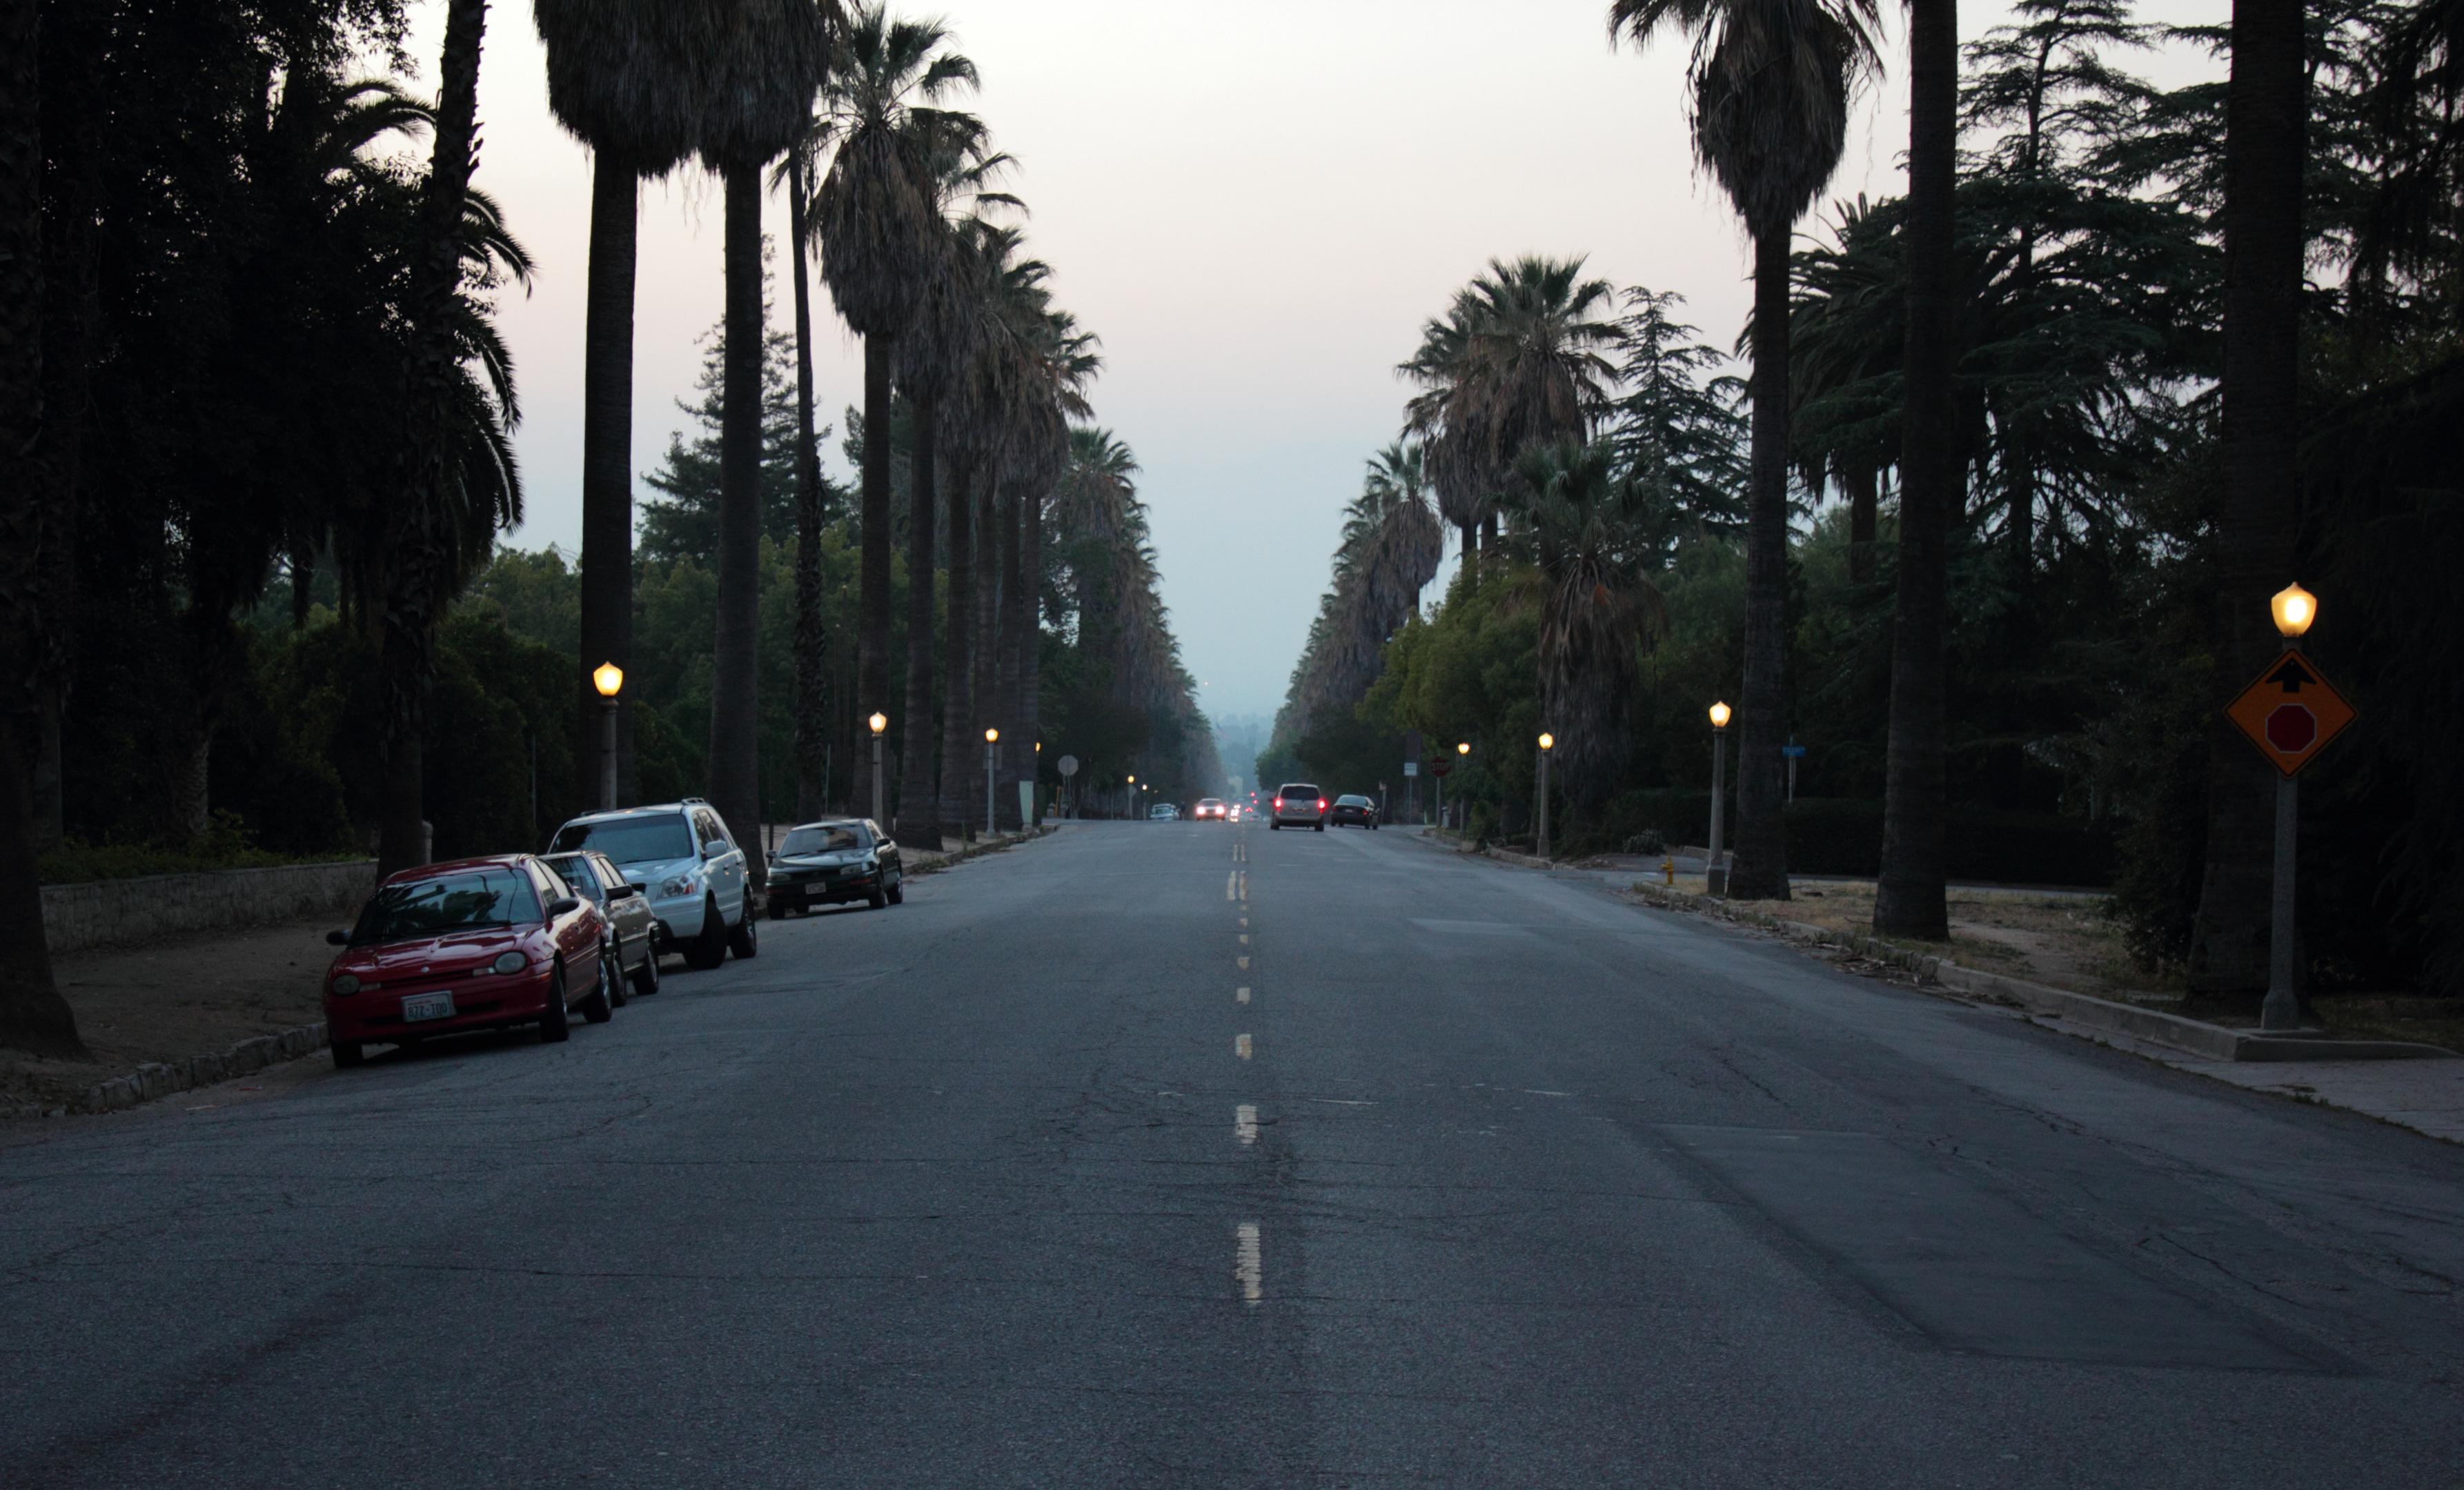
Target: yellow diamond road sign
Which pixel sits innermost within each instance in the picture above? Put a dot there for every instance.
(2290, 712)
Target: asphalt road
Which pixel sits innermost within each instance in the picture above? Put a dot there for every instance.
(1468, 1177)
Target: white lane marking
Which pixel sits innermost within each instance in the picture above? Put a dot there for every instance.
(1535, 1091)
(1245, 964)
(1244, 938)
(1244, 923)
(1245, 1124)
(1232, 886)
(1248, 1264)
(1342, 1102)
(1241, 1046)
(1240, 995)
(1245, 884)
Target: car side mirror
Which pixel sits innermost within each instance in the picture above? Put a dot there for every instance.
(565, 907)
(623, 892)
(712, 849)
(339, 938)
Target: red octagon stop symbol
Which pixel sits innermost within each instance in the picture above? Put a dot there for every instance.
(2291, 728)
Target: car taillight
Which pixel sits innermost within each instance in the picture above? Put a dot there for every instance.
(1279, 804)
(1321, 804)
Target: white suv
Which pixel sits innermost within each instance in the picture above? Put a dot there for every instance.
(681, 858)
(1299, 804)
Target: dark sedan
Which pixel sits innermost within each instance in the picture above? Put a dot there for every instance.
(830, 862)
(1354, 809)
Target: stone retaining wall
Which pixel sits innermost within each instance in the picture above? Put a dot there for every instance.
(106, 913)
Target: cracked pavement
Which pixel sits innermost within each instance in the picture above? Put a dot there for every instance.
(1546, 1189)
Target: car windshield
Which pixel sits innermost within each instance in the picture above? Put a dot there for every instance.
(458, 902)
(827, 839)
(1297, 789)
(575, 871)
(1353, 801)
(629, 840)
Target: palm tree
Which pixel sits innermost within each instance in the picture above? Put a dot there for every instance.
(1065, 362)
(1592, 537)
(762, 62)
(1517, 362)
(879, 228)
(1392, 540)
(2265, 104)
(617, 80)
(1910, 897)
(423, 552)
(812, 718)
(33, 1017)
(1769, 84)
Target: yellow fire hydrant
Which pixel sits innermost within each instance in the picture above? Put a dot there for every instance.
(1668, 870)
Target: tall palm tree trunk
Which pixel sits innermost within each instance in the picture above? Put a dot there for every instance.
(958, 665)
(1909, 899)
(1761, 870)
(418, 542)
(920, 816)
(1864, 492)
(1470, 551)
(812, 720)
(873, 574)
(1030, 657)
(734, 761)
(2255, 517)
(1015, 607)
(33, 1017)
(988, 614)
(607, 464)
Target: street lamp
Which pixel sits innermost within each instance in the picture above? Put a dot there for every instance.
(607, 678)
(991, 737)
(1548, 743)
(1129, 808)
(2292, 610)
(1715, 871)
(880, 802)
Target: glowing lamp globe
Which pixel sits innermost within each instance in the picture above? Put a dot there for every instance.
(2294, 609)
(607, 678)
(1719, 717)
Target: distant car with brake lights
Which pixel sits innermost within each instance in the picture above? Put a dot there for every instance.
(471, 944)
(835, 861)
(1210, 807)
(1299, 804)
(1352, 807)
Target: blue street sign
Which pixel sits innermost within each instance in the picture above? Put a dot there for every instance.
(1792, 752)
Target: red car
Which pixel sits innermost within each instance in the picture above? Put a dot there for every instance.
(473, 944)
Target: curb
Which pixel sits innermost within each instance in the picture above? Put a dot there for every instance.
(983, 846)
(2193, 1037)
(156, 1080)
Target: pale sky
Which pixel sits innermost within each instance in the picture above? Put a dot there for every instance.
(1255, 214)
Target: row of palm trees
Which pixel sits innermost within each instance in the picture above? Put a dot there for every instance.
(895, 190)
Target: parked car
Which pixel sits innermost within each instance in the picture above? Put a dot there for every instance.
(631, 930)
(1210, 807)
(680, 856)
(471, 944)
(835, 861)
(1163, 812)
(1299, 804)
(1354, 808)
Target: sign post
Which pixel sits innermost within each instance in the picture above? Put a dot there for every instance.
(1794, 753)
(1067, 766)
(2290, 711)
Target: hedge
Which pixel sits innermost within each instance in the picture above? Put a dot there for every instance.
(1844, 836)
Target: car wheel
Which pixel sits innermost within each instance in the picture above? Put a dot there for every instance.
(596, 1006)
(898, 890)
(1321, 828)
(778, 906)
(645, 978)
(746, 939)
(348, 1053)
(1277, 827)
(612, 973)
(554, 1024)
(877, 899)
(710, 948)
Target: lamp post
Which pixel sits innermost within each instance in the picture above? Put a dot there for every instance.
(2293, 608)
(1463, 751)
(880, 800)
(607, 678)
(1130, 807)
(991, 737)
(1548, 743)
(1715, 872)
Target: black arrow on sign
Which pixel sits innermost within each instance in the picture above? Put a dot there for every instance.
(2292, 675)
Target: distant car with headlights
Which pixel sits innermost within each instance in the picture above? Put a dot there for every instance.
(1299, 804)
(1210, 807)
(832, 862)
(686, 864)
(467, 945)
(1163, 812)
(631, 930)
(1354, 808)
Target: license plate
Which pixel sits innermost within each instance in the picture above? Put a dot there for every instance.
(427, 1006)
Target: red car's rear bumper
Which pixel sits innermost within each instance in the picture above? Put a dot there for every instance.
(478, 1004)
